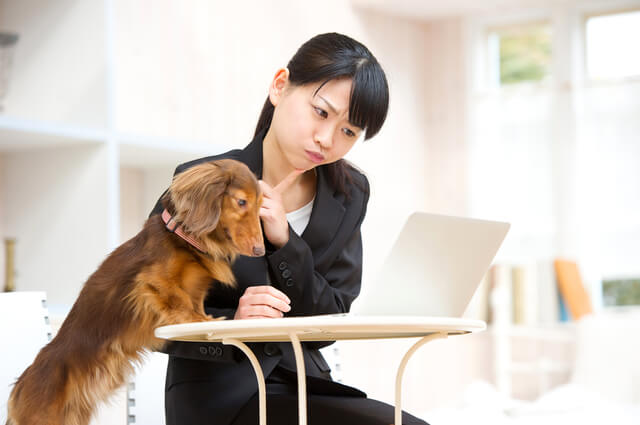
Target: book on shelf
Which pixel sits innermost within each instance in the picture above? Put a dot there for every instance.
(541, 292)
(574, 294)
(548, 295)
(562, 309)
(524, 293)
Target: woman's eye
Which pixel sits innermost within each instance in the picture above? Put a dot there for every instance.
(242, 202)
(348, 132)
(320, 112)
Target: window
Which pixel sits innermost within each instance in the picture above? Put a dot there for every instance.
(520, 54)
(617, 292)
(612, 46)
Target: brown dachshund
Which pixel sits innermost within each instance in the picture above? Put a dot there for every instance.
(157, 278)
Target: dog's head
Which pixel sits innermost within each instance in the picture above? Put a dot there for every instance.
(218, 202)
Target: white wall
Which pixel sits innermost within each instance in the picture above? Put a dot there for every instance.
(59, 60)
(155, 182)
(139, 191)
(131, 199)
(446, 117)
(200, 70)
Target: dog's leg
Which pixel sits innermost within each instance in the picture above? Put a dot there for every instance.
(184, 316)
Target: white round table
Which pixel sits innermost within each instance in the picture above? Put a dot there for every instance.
(319, 328)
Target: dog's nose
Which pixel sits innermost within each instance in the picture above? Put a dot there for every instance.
(258, 251)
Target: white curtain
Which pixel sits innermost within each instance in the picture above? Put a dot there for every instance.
(608, 178)
(563, 166)
(510, 175)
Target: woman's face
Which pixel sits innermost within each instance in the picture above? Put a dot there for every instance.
(312, 130)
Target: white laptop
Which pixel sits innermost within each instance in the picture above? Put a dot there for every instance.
(434, 267)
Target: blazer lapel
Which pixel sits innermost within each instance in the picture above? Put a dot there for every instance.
(326, 216)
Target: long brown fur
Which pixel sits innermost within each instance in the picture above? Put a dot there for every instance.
(154, 279)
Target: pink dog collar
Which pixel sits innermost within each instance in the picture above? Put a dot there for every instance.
(173, 227)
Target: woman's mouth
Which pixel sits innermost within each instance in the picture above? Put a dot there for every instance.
(315, 157)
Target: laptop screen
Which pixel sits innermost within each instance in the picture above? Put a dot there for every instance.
(434, 267)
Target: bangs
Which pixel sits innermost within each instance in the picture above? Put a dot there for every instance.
(369, 97)
(369, 100)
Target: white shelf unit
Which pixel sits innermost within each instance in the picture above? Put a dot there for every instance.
(73, 185)
(532, 359)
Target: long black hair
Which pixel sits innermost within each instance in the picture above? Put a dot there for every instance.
(331, 56)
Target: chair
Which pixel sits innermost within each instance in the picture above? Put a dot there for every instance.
(146, 390)
(24, 330)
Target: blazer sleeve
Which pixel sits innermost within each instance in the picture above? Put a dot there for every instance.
(312, 293)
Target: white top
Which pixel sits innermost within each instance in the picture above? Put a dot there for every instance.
(329, 327)
(299, 218)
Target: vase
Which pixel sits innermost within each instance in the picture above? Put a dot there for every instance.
(9, 277)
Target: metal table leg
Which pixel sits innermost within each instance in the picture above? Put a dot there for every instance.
(302, 383)
(262, 393)
(403, 364)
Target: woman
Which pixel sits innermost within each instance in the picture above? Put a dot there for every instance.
(332, 92)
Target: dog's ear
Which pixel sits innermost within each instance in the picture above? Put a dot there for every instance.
(197, 195)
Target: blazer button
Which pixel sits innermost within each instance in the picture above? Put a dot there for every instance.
(270, 349)
(286, 273)
(203, 350)
(289, 282)
(283, 265)
(212, 350)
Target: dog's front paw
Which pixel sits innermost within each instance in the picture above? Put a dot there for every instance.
(210, 318)
(199, 317)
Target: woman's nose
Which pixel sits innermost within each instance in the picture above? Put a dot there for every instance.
(324, 137)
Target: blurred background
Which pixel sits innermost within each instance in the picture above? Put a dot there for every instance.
(525, 111)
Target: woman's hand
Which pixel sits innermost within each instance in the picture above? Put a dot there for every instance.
(262, 302)
(272, 212)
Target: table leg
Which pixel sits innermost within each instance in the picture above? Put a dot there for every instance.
(262, 393)
(403, 364)
(302, 383)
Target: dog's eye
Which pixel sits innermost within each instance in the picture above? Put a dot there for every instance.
(242, 202)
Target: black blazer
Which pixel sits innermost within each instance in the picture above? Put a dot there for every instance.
(320, 271)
